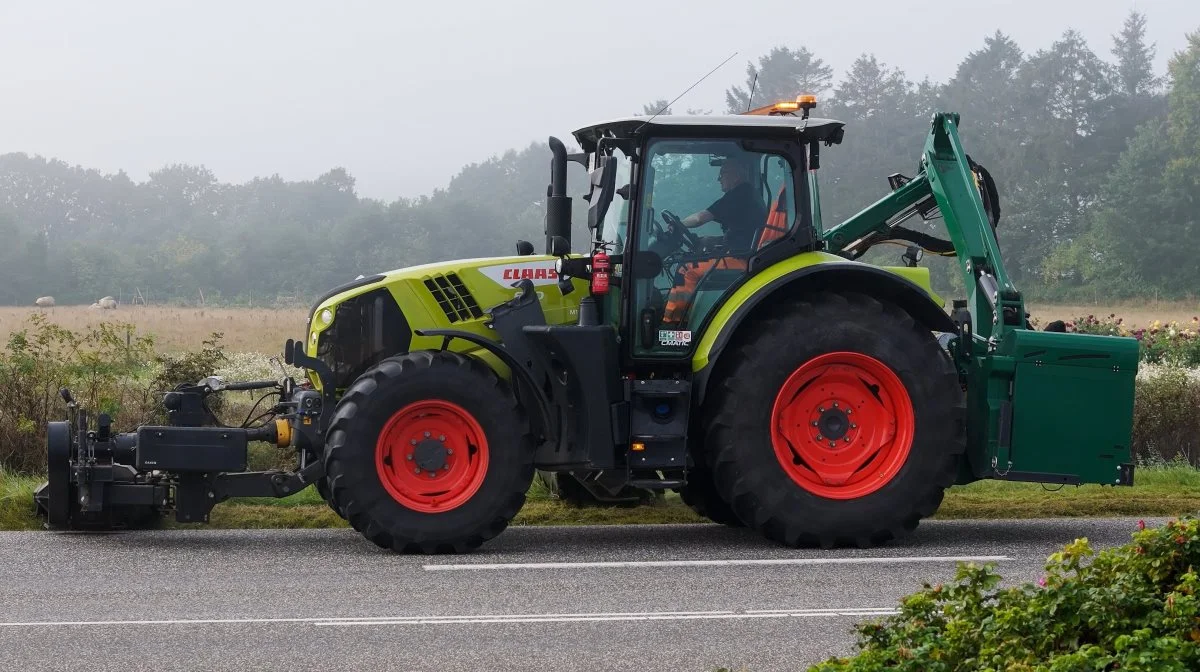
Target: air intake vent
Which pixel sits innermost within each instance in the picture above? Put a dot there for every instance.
(452, 295)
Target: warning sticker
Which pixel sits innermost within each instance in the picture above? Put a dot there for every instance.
(674, 338)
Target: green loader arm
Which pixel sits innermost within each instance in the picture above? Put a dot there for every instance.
(947, 183)
(1047, 407)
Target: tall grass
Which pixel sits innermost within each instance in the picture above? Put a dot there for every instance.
(16, 501)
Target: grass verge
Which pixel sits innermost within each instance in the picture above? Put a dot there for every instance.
(1172, 490)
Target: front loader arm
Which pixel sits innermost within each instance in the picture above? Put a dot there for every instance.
(946, 183)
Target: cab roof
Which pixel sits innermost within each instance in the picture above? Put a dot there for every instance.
(829, 131)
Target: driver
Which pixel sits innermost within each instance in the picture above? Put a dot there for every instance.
(740, 212)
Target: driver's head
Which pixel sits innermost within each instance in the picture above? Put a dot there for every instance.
(734, 171)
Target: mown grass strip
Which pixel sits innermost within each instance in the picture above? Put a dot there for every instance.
(1172, 490)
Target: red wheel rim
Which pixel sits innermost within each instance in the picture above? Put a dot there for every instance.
(842, 425)
(431, 456)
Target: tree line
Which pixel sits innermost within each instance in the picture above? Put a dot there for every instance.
(1096, 155)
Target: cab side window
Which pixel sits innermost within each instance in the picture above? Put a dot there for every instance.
(707, 207)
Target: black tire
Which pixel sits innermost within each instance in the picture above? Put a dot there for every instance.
(738, 442)
(322, 486)
(702, 496)
(356, 486)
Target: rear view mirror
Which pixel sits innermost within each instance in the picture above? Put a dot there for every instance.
(524, 248)
(559, 247)
(604, 179)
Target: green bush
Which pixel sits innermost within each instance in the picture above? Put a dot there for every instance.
(1133, 608)
(1166, 415)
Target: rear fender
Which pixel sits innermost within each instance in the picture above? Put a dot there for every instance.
(896, 286)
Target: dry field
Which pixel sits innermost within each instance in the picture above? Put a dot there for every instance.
(1135, 314)
(176, 329)
(264, 330)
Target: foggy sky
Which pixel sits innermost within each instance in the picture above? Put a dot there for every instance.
(402, 94)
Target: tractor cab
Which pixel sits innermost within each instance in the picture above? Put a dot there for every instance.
(686, 209)
(682, 212)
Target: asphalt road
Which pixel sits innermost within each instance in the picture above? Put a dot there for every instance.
(613, 598)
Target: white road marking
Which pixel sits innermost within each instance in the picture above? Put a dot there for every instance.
(594, 618)
(713, 563)
(486, 618)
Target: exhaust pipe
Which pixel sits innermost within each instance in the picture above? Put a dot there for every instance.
(558, 204)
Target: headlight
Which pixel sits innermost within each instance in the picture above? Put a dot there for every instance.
(326, 317)
(558, 266)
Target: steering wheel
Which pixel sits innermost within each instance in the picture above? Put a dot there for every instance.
(677, 228)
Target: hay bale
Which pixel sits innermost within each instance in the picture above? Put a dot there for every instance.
(45, 301)
(107, 303)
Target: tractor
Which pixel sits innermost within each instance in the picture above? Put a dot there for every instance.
(713, 338)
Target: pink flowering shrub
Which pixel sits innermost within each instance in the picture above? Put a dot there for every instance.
(1172, 343)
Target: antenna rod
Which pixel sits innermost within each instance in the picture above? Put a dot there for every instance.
(751, 97)
(664, 107)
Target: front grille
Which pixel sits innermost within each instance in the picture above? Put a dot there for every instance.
(453, 298)
(365, 330)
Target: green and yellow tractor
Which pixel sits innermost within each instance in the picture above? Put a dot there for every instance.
(714, 338)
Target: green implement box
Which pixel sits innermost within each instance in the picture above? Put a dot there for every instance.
(1063, 403)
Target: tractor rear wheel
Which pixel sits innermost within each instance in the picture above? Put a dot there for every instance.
(429, 452)
(835, 420)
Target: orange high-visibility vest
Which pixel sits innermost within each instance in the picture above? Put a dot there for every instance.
(777, 220)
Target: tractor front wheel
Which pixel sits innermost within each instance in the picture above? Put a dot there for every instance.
(835, 420)
(429, 452)
(701, 495)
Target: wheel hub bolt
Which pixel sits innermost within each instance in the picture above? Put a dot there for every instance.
(442, 437)
(427, 435)
(449, 451)
(410, 457)
(417, 470)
